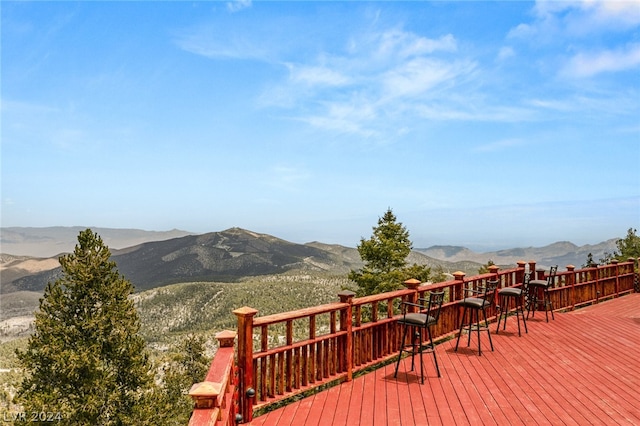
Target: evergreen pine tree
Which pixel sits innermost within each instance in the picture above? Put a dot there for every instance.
(627, 247)
(384, 255)
(86, 359)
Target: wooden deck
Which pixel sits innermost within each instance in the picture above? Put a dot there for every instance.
(581, 369)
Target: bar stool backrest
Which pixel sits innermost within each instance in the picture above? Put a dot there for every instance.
(551, 278)
(436, 298)
(525, 282)
(490, 288)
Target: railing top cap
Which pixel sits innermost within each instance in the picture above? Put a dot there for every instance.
(204, 389)
(245, 310)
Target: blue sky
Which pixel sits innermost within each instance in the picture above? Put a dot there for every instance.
(483, 124)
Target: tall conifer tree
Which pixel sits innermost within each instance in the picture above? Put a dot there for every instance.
(86, 359)
(385, 258)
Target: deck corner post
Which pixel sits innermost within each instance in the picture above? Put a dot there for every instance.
(246, 384)
(346, 324)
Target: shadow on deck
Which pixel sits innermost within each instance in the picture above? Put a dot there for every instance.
(583, 368)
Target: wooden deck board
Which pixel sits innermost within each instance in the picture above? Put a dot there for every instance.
(583, 368)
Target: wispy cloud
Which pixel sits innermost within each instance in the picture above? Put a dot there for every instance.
(575, 24)
(588, 64)
(383, 78)
(582, 17)
(204, 42)
(505, 53)
(380, 80)
(500, 145)
(577, 19)
(237, 5)
(317, 75)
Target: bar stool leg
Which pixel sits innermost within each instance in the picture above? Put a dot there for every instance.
(433, 349)
(478, 329)
(486, 323)
(521, 301)
(420, 351)
(548, 305)
(532, 303)
(464, 314)
(500, 308)
(402, 346)
(507, 304)
(515, 302)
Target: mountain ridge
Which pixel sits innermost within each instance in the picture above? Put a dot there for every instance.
(234, 253)
(216, 256)
(560, 253)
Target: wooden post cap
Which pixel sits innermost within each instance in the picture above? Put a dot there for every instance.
(412, 283)
(226, 338)
(245, 311)
(346, 296)
(459, 275)
(204, 394)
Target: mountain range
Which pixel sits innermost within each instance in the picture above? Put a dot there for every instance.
(159, 259)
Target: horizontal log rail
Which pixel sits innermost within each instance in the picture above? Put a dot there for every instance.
(216, 399)
(282, 356)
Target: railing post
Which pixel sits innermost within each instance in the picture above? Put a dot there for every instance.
(616, 263)
(459, 291)
(571, 281)
(522, 265)
(493, 269)
(346, 324)
(246, 390)
(412, 284)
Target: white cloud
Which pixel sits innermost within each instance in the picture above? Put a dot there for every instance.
(500, 145)
(381, 76)
(316, 75)
(611, 14)
(236, 5)
(352, 116)
(506, 52)
(405, 44)
(592, 63)
(582, 18)
(417, 76)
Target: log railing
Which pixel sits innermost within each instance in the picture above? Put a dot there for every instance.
(216, 399)
(284, 355)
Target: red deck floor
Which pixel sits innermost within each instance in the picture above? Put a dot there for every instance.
(581, 369)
